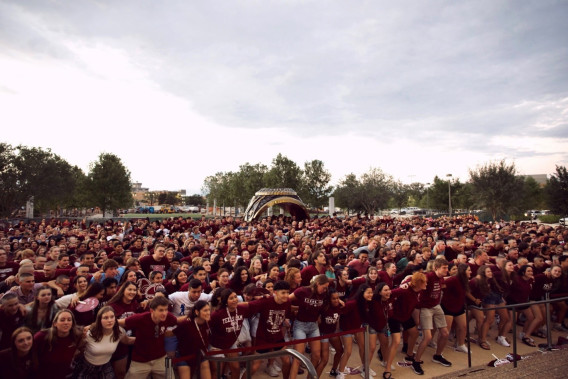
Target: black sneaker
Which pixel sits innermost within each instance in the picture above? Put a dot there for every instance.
(441, 360)
(405, 348)
(409, 358)
(333, 373)
(417, 368)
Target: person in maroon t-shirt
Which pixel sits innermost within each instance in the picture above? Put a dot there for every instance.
(329, 321)
(149, 352)
(226, 324)
(405, 299)
(7, 269)
(453, 303)
(431, 314)
(274, 312)
(193, 334)
(317, 267)
(156, 261)
(310, 301)
(11, 318)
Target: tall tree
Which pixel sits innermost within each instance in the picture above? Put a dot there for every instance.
(109, 183)
(496, 187)
(346, 193)
(250, 179)
(13, 196)
(284, 173)
(315, 187)
(195, 199)
(533, 195)
(557, 191)
(400, 193)
(375, 191)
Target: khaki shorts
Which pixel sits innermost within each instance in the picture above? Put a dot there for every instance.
(432, 316)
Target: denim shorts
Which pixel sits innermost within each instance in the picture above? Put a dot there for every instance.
(493, 299)
(305, 330)
(170, 343)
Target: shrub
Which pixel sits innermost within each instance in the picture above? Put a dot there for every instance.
(549, 219)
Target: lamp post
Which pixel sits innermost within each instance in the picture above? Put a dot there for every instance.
(449, 176)
(428, 198)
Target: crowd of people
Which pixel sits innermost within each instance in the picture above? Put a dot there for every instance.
(112, 299)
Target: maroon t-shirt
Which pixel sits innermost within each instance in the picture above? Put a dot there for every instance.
(330, 319)
(342, 290)
(521, 292)
(191, 340)
(542, 284)
(9, 323)
(405, 301)
(350, 319)
(122, 310)
(433, 292)
(384, 277)
(379, 313)
(55, 363)
(309, 304)
(149, 344)
(271, 318)
(149, 264)
(308, 273)
(10, 268)
(454, 295)
(226, 326)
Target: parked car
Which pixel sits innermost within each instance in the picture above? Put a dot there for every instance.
(563, 221)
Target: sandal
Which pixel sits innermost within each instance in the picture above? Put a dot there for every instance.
(528, 341)
(539, 334)
(484, 345)
(387, 375)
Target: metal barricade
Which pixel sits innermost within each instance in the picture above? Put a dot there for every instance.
(513, 308)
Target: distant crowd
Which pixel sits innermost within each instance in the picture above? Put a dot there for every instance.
(81, 299)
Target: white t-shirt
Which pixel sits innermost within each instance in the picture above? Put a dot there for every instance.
(99, 353)
(182, 304)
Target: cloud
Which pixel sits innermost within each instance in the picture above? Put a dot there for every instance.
(461, 76)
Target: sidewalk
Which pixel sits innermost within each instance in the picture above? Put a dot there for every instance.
(479, 360)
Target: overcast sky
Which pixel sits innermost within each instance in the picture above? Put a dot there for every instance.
(182, 89)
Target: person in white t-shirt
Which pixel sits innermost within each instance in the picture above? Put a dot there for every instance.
(100, 343)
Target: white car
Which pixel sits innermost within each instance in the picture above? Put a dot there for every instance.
(563, 221)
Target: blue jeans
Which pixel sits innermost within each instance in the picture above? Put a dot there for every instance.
(305, 330)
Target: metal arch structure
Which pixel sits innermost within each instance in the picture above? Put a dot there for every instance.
(285, 198)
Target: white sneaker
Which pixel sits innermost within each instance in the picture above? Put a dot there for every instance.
(384, 364)
(373, 373)
(432, 344)
(340, 375)
(271, 371)
(502, 341)
(462, 349)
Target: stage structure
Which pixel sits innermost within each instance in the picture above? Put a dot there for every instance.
(286, 198)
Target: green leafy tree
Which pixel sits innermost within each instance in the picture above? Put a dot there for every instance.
(250, 179)
(532, 195)
(400, 194)
(13, 195)
(496, 188)
(109, 183)
(375, 190)
(315, 187)
(438, 194)
(346, 193)
(284, 173)
(195, 199)
(557, 191)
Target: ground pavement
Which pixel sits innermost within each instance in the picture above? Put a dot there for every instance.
(480, 358)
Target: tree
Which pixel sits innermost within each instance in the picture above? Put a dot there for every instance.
(284, 173)
(532, 196)
(375, 190)
(195, 199)
(496, 187)
(315, 188)
(109, 183)
(33, 172)
(400, 193)
(13, 195)
(557, 191)
(346, 193)
(250, 179)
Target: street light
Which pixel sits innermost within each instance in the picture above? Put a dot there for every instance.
(428, 198)
(449, 176)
